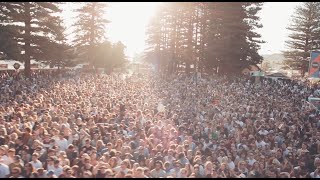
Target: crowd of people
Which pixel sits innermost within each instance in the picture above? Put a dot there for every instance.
(140, 126)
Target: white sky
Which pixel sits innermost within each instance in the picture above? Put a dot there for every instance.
(275, 17)
(129, 21)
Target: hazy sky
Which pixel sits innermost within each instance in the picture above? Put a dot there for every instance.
(275, 17)
(129, 20)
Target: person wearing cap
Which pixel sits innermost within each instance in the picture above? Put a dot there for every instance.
(41, 173)
(50, 174)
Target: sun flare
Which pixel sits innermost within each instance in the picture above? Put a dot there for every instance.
(128, 23)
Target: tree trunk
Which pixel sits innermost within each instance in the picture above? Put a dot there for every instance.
(187, 68)
(27, 48)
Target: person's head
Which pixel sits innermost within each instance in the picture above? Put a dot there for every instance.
(68, 172)
(256, 165)
(242, 165)
(11, 152)
(284, 175)
(87, 142)
(124, 164)
(146, 171)
(70, 147)
(16, 172)
(109, 173)
(17, 159)
(109, 145)
(61, 135)
(29, 167)
(184, 173)
(40, 171)
(35, 175)
(112, 162)
(35, 156)
(2, 151)
(87, 160)
(214, 172)
(177, 165)
(158, 165)
(87, 174)
(50, 161)
(251, 155)
(56, 163)
(75, 169)
(140, 172)
(50, 173)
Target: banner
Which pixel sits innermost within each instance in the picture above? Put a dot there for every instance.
(315, 102)
(257, 73)
(4, 66)
(314, 64)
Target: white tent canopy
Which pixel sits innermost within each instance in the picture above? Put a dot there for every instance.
(11, 63)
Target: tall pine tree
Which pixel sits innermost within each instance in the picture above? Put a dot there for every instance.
(206, 36)
(304, 37)
(9, 48)
(37, 24)
(90, 29)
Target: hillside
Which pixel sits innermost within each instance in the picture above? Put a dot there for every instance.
(273, 61)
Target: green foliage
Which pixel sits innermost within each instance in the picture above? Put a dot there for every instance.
(304, 37)
(90, 29)
(206, 35)
(34, 30)
(110, 56)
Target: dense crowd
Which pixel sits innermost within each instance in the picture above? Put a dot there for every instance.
(103, 126)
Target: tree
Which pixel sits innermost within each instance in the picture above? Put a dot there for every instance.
(118, 57)
(37, 27)
(90, 29)
(234, 44)
(205, 36)
(61, 53)
(9, 48)
(110, 56)
(304, 37)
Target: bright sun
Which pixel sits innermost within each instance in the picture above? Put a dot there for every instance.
(128, 23)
